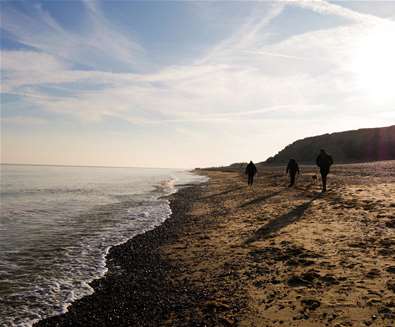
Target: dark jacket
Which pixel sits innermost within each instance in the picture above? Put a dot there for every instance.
(324, 161)
(292, 167)
(251, 169)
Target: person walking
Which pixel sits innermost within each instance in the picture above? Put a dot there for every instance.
(324, 161)
(292, 170)
(251, 171)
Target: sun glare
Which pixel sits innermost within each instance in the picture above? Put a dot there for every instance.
(374, 62)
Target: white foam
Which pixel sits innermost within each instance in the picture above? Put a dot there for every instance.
(80, 258)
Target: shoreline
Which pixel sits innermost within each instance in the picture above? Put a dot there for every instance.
(267, 255)
(135, 262)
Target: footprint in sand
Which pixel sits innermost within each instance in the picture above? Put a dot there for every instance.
(390, 223)
(387, 247)
(373, 273)
(391, 285)
(391, 269)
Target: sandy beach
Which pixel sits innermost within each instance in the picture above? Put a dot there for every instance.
(127, 128)
(266, 255)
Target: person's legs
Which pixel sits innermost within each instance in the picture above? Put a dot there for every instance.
(292, 176)
(324, 173)
(324, 182)
(249, 179)
(252, 179)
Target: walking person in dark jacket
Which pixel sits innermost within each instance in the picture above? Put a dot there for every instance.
(324, 161)
(251, 171)
(292, 170)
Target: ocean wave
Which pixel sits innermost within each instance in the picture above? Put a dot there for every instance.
(53, 263)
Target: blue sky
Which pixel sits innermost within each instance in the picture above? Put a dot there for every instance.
(186, 84)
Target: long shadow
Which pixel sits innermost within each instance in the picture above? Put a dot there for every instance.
(307, 187)
(308, 190)
(281, 222)
(260, 199)
(221, 193)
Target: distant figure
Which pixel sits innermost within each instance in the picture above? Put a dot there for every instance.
(251, 171)
(324, 161)
(292, 170)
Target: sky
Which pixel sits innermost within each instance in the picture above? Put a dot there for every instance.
(188, 84)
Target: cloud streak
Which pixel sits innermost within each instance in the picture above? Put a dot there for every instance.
(242, 83)
(98, 46)
(327, 8)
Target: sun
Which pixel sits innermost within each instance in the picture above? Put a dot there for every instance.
(374, 62)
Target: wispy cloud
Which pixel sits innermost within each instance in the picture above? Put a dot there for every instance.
(248, 36)
(100, 45)
(274, 54)
(240, 82)
(327, 8)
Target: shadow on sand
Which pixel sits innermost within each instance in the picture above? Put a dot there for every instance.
(260, 199)
(221, 193)
(281, 222)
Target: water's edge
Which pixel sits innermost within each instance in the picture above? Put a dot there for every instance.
(110, 250)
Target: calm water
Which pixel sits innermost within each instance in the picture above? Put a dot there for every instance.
(57, 224)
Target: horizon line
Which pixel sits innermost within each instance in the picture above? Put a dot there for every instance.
(83, 166)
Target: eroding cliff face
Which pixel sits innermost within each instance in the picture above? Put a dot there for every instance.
(362, 145)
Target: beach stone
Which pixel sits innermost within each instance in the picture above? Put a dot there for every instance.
(329, 279)
(227, 321)
(217, 305)
(311, 304)
(296, 281)
(311, 275)
(304, 262)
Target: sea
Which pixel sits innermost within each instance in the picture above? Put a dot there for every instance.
(57, 224)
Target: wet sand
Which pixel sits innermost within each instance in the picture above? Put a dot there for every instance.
(267, 255)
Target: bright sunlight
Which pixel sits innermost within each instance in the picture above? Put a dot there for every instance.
(374, 62)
